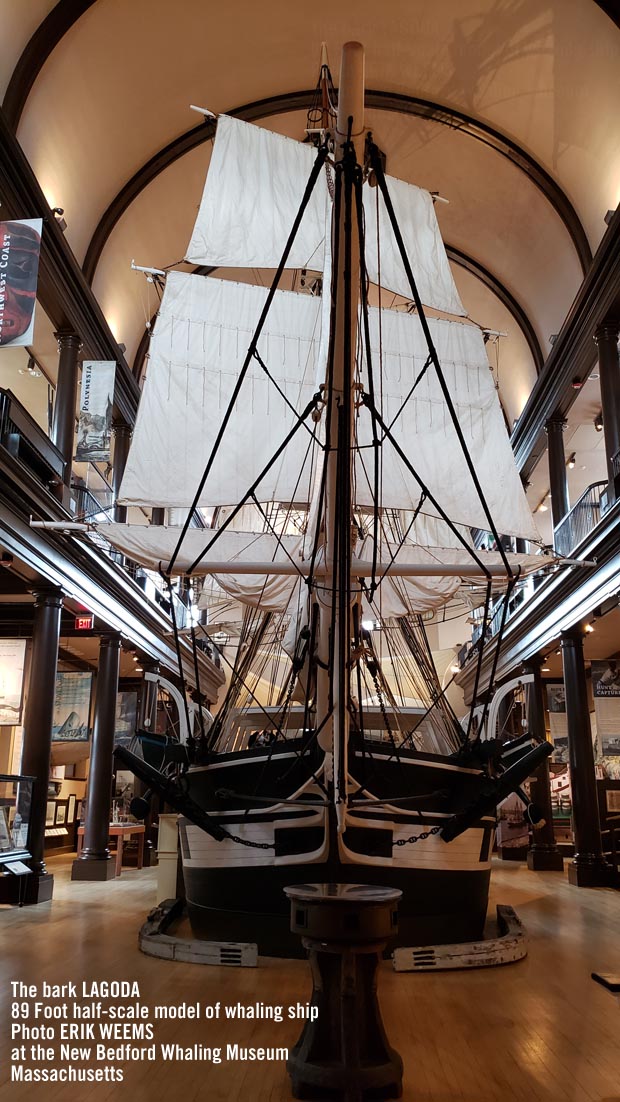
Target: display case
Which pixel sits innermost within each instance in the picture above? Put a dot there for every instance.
(15, 803)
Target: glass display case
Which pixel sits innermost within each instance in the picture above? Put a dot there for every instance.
(15, 801)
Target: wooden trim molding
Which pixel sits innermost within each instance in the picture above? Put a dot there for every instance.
(43, 42)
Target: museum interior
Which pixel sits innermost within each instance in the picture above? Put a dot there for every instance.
(310, 546)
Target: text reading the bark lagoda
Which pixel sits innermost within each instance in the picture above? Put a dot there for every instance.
(90, 1032)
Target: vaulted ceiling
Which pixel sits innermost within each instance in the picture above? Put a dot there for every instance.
(508, 108)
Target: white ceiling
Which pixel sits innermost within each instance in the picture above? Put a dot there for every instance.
(543, 73)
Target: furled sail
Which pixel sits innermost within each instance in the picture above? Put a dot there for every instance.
(254, 187)
(199, 344)
(153, 546)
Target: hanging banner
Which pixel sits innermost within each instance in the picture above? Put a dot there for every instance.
(558, 726)
(72, 707)
(95, 420)
(12, 655)
(606, 693)
(20, 246)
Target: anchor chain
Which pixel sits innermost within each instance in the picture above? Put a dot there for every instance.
(417, 837)
(247, 842)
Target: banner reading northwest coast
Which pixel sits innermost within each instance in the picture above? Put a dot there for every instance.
(95, 420)
(20, 245)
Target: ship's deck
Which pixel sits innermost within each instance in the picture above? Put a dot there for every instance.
(536, 1031)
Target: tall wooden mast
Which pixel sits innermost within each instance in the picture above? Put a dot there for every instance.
(333, 694)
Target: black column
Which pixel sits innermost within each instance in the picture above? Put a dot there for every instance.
(606, 338)
(544, 854)
(37, 745)
(63, 425)
(94, 862)
(557, 469)
(589, 868)
(122, 440)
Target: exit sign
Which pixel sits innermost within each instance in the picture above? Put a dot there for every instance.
(84, 623)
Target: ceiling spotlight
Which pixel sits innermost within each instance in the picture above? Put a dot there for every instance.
(31, 369)
(542, 505)
(598, 422)
(455, 669)
(577, 384)
(594, 375)
(368, 625)
(571, 461)
(589, 629)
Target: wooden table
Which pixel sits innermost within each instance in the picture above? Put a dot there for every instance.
(120, 831)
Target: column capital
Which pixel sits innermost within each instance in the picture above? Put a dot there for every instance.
(534, 663)
(120, 427)
(49, 595)
(608, 331)
(555, 423)
(68, 338)
(110, 639)
(573, 636)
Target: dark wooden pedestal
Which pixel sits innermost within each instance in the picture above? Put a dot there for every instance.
(344, 1055)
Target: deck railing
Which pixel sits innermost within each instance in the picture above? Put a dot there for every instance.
(582, 519)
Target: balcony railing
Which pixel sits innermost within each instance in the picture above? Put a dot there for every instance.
(582, 519)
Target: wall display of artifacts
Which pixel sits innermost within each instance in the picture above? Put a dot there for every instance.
(12, 658)
(606, 693)
(72, 707)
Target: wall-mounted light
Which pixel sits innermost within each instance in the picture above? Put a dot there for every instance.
(598, 422)
(542, 504)
(546, 669)
(572, 459)
(58, 213)
(589, 629)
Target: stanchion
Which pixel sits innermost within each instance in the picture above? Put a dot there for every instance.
(344, 1054)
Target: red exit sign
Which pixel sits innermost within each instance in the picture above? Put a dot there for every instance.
(84, 623)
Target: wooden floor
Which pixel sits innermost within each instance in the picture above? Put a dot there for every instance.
(536, 1031)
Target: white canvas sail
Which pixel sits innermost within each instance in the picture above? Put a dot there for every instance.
(199, 344)
(426, 433)
(252, 194)
(201, 338)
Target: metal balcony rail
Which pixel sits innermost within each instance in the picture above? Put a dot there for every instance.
(582, 519)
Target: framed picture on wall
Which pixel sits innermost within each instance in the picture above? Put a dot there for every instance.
(71, 809)
(50, 813)
(61, 814)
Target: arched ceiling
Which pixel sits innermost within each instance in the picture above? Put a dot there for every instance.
(520, 131)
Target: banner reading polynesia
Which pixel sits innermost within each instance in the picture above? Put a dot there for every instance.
(20, 246)
(95, 420)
